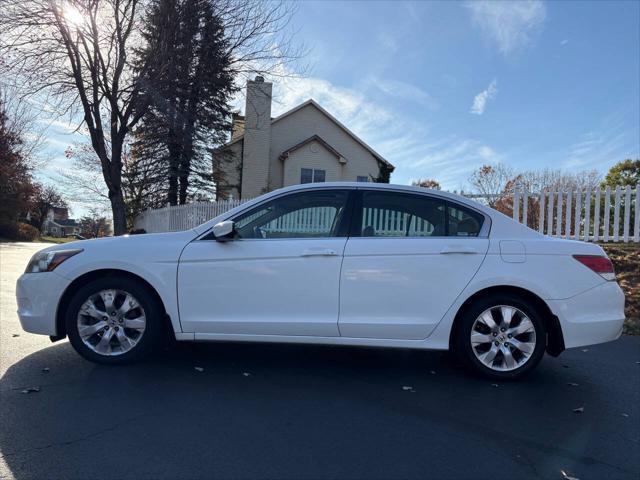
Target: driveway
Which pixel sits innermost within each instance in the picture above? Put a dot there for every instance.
(282, 411)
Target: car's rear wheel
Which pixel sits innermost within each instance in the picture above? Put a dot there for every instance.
(114, 320)
(501, 336)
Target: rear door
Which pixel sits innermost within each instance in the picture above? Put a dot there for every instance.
(408, 258)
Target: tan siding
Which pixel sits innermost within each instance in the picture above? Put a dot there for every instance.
(309, 121)
(312, 155)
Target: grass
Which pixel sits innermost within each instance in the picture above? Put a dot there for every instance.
(626, 260)
(56, 240)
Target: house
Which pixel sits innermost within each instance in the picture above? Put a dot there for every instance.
(306, 144)
(58, 223)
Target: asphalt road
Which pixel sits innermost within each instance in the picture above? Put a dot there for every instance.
(307, 412)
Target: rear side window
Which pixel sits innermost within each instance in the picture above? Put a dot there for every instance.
(463, 222)
(396, 214)
(391, 214)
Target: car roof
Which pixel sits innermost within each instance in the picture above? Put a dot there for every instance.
(386, 186)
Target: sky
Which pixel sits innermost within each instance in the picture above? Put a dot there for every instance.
(440, 88)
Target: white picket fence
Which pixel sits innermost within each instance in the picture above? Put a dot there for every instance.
(589, 215)
(182, 217)
(592, 215)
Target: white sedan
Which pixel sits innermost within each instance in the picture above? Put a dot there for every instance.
(333, 263)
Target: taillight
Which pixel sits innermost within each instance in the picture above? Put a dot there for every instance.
(601, 265)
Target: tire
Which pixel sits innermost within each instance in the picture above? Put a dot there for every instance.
(114, 320)
(501, 350)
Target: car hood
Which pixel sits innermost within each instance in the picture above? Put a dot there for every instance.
(147, 240)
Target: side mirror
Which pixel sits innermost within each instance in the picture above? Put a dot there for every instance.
(224, 231)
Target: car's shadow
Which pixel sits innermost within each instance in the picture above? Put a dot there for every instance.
(273, 411)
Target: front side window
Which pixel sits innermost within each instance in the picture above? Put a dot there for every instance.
(313, 214)
(362, 178)
(312, 175)
(391, 214)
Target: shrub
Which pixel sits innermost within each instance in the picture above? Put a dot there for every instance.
(27, 233)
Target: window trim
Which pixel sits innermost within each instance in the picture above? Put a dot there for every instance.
(356, 221)
(354, 192)
(313, 175)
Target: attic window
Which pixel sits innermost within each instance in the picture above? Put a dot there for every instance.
(312, 175)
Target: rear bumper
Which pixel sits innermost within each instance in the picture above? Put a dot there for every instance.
(38, 295)
(595, 316)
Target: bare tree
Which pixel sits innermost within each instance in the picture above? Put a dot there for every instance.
(491, 180)
(77, 56)
(76, 52)
(141, 187)
(94, 225)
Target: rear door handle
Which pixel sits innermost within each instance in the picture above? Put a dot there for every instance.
(318, 252)
(451, 249)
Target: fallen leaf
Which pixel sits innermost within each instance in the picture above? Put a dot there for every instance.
(432, 372)
(578, 410)
(565, 366)
(408, 389)
(571, 384)
(16, 334)
(31, 390)
(46, 369)
(624, 414)
(246, 374)
(495, 385)
(566, 476)
(199, 369)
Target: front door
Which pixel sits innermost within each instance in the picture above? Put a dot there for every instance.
(407, 260)
(279, 276)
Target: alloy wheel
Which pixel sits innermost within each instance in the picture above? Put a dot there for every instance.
(503, 338)
(111, 322)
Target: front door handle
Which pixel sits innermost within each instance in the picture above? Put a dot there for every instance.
(450, 249)
(318, 252)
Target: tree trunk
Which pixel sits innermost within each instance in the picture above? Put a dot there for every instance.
(119, 213)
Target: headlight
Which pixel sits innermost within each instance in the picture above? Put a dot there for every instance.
(48, 261)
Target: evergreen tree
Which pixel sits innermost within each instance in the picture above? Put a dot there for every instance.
(188, 84)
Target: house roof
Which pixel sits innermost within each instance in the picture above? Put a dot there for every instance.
(312, 138)
(313, 103)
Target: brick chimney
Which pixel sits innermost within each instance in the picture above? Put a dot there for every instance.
(257, 138)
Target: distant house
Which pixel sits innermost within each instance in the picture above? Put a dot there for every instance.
(304, 145)
(58, 223)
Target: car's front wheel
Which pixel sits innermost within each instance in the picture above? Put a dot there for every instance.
(114, 320)
(501, 336)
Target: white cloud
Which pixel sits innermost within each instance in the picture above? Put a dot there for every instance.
(403, 91)
(481, 99)
(510, 25)
(610, 140)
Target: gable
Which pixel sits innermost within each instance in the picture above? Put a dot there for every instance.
(314, 139)
(302, 111)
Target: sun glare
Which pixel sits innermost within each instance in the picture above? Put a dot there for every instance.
(72, 15)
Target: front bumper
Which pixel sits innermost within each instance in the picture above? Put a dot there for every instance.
(594, 316)
(38, 295)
